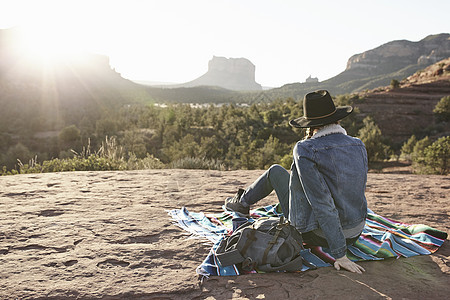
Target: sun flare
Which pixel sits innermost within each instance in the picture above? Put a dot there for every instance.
(46, 44)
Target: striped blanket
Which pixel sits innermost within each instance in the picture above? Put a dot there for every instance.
(381, 238)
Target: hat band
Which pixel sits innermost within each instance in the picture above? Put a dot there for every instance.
(313, 118)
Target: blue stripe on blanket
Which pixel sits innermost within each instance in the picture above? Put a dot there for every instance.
(381, 238)
(198, 225)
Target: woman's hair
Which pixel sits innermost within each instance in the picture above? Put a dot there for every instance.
(309, 132)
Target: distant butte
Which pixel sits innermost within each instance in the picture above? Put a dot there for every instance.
(236, 74)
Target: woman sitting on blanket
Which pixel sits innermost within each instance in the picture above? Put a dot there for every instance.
(323, 196)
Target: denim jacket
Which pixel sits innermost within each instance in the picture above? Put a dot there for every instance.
(327, 184)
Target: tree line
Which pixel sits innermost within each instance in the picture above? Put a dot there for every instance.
(223, 137)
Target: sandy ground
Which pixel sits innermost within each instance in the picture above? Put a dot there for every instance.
(107, 235)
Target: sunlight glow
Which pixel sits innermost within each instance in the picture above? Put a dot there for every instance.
(42, 45)
(173, 40)
(53, 31)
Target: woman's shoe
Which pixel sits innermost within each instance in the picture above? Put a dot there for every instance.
(234, 204)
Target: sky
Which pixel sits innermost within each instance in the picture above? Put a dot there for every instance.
(173, 40)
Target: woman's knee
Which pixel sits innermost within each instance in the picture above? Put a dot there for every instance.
(278, 175)
(277, 170)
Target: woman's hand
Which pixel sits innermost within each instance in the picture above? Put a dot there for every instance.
(347, 264)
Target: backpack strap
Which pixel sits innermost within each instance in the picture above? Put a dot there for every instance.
(250, 239)
(279, 227)
(271, 243)
(293, 265)
(232, 256)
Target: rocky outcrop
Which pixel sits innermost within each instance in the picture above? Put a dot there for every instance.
(408, 109)
(397, 54)
(107, 235)
(375, 68)
(230, 73)
(311, 79)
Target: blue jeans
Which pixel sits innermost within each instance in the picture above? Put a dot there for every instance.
(275, 178)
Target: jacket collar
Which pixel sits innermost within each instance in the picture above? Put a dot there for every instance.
(329, 129)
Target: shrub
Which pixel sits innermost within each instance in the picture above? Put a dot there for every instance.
(148, 162)
(18, 152)
(106, 127)
(286, 161)
(370, 134)
(442, 110)
(92, 163)
(271, 152)
(419, 147)
(435, 158)
(395, 83)
(109, 149)
(408, 148)
(69, 137)
(133, 142)
(108, 158)
(197, 163)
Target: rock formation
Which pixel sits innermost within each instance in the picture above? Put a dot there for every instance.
(397, 54)
(107, 235)
(311, 79)
(229, 73)
(376, 67)
(399, 112)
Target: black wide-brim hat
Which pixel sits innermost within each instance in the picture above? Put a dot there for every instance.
(319, 110)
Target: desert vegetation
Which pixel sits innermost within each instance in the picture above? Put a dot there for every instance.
(207, 137)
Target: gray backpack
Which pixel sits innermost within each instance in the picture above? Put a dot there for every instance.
(268, 245)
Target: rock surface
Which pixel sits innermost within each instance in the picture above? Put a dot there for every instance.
(399, 112)
(92, 235)
(397, 54)
(230, 73)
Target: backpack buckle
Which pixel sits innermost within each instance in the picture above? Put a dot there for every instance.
(248, 264)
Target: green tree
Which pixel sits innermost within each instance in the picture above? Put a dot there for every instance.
(69, 138)
(247, 155)
(269, 154)
(408, 148)
(395, 83)
(17, 152)
(133, 142)
(435, 158)
(442, 110)
(371, 135)
(286, 161)
(417, 153)
(211, 148)
(106, 127)
(185, 147)
(272, 116)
